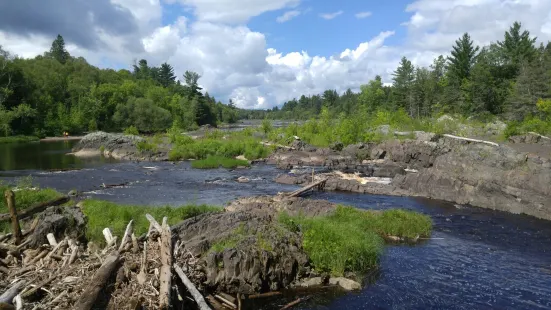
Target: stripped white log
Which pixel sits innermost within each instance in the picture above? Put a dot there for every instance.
(74, 253)
(471, 140)
(126, 236)
(154, 222)
(18, 302)
(108, 236)
(192, 289)
(54, 250)
(165, 278)
(51, 239)
(8, 296)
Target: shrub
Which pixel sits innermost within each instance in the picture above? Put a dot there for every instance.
(213, 162)
(132, 130)
(146, 146)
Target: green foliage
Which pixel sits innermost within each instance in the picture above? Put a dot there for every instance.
(132, 130)
(18, 139)
(103, 214)
(213, 162)
(26, 194)
(352, 239)
(142, 114)
(187, 148)
(146, 146)
(267, 126)
(536, 125)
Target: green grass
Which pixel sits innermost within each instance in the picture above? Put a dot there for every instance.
(351, 239)
(146, 146)
(230, 242)
(102, 214)
(17, 139)
(188, 148)
(213, 162)
(132, 130)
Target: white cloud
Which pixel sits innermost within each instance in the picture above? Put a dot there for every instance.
(361, 15)
(287, 16)
(329, 16)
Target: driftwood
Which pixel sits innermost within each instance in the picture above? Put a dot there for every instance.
(264, 295)
(301, 191)
(225, 301)
(51, 239)
(192, 289)
(37, 208)
(16, 230)
(13, 291)
(126, 236)
(166, 261)
(33, 290)
(135, 246)
(294, 303)
(471, 140)
(142, 277)
(90, 294)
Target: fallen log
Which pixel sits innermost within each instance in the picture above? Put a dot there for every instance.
(7, 297)
(294, 303)
(307, 188)
(16, 229)
(471, 140)
(192, 289)
(225, 301)
(264, 295)
(166, 267)
(35, 289)
(90, 294)
(37, 208)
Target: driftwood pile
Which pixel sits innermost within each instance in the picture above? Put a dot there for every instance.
(133, 274)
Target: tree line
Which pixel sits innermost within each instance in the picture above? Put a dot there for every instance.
(510, 78)
(55, 92)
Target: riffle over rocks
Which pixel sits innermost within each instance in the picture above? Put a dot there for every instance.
(440, 167)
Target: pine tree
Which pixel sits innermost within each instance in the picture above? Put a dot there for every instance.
(166, 75)
(404, 76)
(518, 48)
(463, 57)
(58, 50)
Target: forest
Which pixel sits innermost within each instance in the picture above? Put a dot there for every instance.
(509, 79)
(55, 92)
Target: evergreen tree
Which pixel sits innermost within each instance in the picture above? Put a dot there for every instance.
(403, 78)
(192, 81)
(462, 59)
(166, 75)
(518, 48)
(58, 51)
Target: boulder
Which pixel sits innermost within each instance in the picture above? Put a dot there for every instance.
(243, 180)
(60, 221)
(347, 284)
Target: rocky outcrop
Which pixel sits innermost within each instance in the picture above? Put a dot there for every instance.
(244, 250)
(118, 146)
(531, 138)
(444, 168)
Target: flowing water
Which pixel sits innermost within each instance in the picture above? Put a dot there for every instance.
(476, 258)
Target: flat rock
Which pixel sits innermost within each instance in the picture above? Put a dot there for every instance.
(347, 284)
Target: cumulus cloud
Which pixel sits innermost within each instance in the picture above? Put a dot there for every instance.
(287, 16)
(361, 15)
(329, 16)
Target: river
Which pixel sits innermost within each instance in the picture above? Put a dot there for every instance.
(476, 258)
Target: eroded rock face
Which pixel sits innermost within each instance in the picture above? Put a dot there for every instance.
(261, 255)
(455, 170)
(531, 138)
(62, 222)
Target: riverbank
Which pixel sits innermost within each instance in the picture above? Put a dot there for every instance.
(69, 138)
(18, 139)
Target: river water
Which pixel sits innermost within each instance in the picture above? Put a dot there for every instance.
(476, 258)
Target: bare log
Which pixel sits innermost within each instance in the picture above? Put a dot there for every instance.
(294, 303)
(58, 298)
(35, 289)
(264, 295)
(471, 140)
(39, 256)
(13, 291)
(108, 236)
(307, 188)
(225, 301)
(192, 289)
(126, 236)
(90, 294)
(74, 254)
(54, 250)
(51, 239)
(154, 222)
(166, 267)
(37, 208)
(16, 229)
(5, 237)
(135, 246)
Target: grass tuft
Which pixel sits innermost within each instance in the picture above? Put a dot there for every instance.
(351, 239)
(213, 162)
(102, 214)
